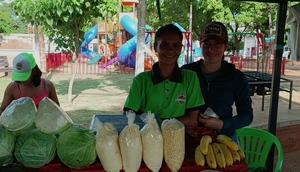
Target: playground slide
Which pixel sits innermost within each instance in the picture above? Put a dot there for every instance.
(104, 65)
(88, 37)
(125, 54)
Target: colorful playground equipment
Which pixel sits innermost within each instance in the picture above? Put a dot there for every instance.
(126, 54)
(124, 49)
(91, 55)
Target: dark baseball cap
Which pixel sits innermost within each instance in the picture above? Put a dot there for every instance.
(215, 30)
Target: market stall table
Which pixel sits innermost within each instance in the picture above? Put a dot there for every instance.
(120, 121)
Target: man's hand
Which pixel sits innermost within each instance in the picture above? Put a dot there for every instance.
(210, 122)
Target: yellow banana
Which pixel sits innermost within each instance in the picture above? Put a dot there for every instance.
(204, 142)
(235, 156)
(228, 142)
(210, 158)
(219, 155)
(227, 155)
(242, 154)
(199, 157)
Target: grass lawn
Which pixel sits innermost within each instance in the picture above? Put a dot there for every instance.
(92, 94)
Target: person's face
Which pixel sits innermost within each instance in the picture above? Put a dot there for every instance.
(168, 48)
(213, 50)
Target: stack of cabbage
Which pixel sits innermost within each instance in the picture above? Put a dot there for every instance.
(35, 135)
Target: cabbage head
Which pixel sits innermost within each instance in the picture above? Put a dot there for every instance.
(50, 118)
(35, 149)
(19, 115)
(76, 147)
(7, 145)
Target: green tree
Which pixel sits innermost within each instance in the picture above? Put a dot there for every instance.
(237, 16)
(9, 23)
(66, 21)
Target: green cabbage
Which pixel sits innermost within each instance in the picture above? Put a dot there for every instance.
(7, 145)
(50, 118)
(19, 115)
(35, 149)
(76, 147)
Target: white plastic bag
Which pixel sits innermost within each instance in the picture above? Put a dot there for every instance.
(174, 143)
(131, 145)
(152, 142)
(209, 112)
(107, 147)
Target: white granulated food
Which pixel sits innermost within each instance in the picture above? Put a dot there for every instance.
(107, 147)
(131, 145)
(174, 143)
(152, 144)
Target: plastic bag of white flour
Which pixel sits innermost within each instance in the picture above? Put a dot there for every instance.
(174, 143)
(107, 147)
(152, 142)
(131, 145)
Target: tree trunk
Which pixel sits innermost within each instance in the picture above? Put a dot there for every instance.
(70, 90)
(140, 49)
(75, 65)
(42, 50)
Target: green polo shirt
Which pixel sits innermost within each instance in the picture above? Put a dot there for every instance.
(169, 98)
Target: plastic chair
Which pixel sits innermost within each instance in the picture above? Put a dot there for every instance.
(256, 144)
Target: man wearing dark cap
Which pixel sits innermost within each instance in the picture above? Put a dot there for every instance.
(222, 85)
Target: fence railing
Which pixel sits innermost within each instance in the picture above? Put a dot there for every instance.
(253, 64)
(65, 63)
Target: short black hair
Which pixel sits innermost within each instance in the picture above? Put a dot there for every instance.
(167, 29)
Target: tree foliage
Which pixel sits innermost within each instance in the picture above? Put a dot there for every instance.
(238, 16)
(9, 23)
(65, 21)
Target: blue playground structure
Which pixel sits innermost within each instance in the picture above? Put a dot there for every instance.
(88, 37)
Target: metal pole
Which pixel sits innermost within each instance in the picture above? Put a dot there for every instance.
(190, 35)
(281, 18)
(140, 49)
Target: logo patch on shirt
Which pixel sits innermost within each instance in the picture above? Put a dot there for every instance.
(181, 99)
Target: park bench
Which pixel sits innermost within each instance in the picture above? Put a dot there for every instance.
(4, 66)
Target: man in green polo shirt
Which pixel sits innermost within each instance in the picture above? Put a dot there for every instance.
(167, 90)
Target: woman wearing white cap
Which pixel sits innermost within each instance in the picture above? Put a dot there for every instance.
(27, 82)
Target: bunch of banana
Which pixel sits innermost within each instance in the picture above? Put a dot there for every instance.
(222, 153)
(236, 153)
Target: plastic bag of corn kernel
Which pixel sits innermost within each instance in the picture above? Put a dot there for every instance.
(107, 147)
(174, 143)
(131, 145)
(152, 141)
